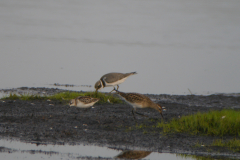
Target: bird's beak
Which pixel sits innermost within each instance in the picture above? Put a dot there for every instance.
(162, 116)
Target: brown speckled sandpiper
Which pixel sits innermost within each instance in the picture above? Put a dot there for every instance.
(83, 102)
(138, 100)
(135, 154)
(112, 79)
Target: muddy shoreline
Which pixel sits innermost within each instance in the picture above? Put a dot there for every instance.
(109, 125)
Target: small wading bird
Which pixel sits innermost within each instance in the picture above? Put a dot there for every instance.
(112, 79)
(83, 102)
(138, 100)
(135, 154)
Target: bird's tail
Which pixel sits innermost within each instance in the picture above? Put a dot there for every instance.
(122, 94)
(131, 73)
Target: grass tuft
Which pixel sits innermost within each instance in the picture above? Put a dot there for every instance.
(23, 97)
(216, 123)
(233, 144)
(66, 96)
(196, 157)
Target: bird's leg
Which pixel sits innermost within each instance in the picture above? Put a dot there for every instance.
(162, 115)
(133, 114)
(112, 90)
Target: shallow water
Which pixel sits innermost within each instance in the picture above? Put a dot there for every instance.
(14, 149)
(173, 45)
(19, 150)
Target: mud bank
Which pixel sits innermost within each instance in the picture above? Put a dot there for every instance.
(109, 125)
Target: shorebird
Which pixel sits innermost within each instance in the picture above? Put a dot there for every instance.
(135, 154)
(138, 100)
(112, 79)
(83, 102)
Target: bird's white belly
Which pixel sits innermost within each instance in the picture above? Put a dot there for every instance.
(134, 105)
(115, 83)
(82, 105)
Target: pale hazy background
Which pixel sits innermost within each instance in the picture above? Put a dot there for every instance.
(173, 45)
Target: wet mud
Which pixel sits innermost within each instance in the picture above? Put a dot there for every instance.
(110, 125)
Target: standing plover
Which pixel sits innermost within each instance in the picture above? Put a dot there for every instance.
(138, 100)
(112, 79)
(83, 102)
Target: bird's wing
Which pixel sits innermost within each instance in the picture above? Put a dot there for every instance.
(112, 77)
(86, 99)
(134, 97)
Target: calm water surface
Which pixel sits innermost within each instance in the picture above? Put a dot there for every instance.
(173, 45)
(29, 151)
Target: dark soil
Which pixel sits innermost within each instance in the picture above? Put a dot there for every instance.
(110, 124)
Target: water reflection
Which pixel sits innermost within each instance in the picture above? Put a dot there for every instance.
(196, 157)
(13, 149)
(133, 154)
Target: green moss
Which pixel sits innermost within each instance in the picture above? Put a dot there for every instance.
(24, 97)
(217, 123)
(200, 157)
(66, 96)
(233, 144)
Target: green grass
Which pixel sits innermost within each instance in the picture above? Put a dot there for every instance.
(233, 144)
(201, 157)
(65, 96)
(24, 97)
(215, 123)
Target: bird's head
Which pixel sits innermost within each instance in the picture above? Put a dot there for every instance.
(72, 102)
(98, 85)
